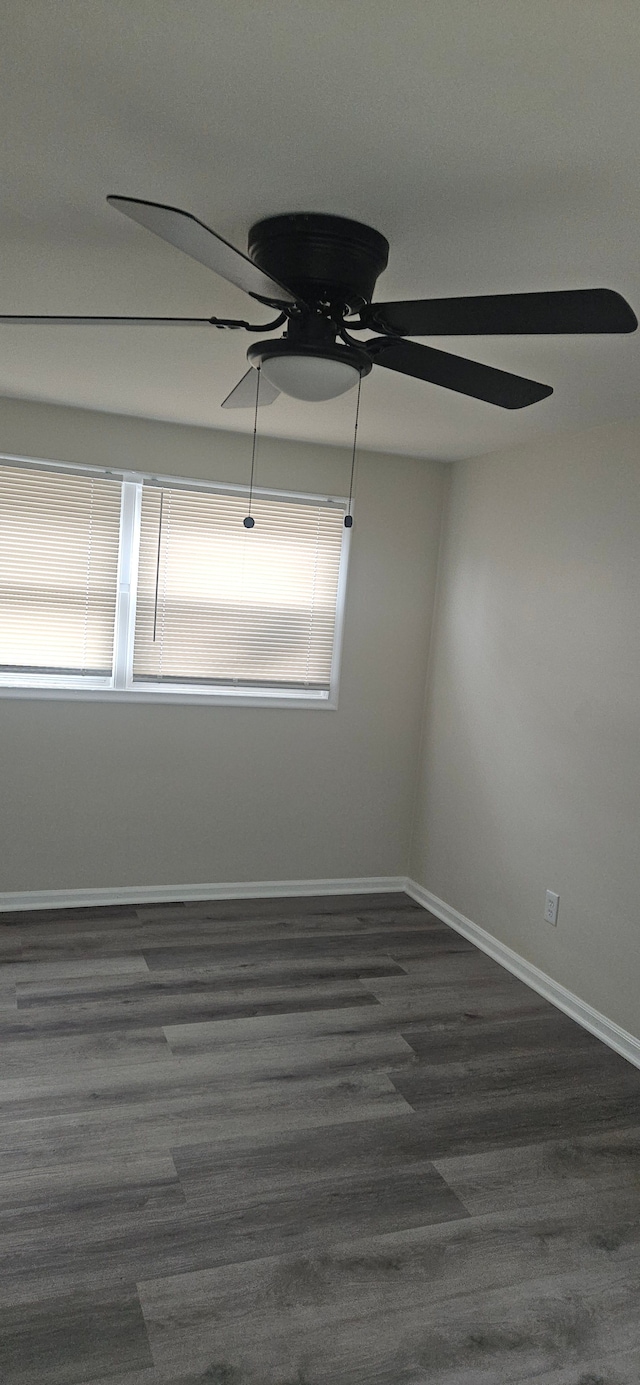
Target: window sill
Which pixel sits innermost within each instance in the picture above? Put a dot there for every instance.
(317, 702)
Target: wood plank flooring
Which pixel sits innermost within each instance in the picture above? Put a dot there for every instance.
(304, 1142)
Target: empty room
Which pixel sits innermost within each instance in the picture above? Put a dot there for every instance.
(320, 692)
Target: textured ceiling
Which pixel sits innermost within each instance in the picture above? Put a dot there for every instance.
(495, 145)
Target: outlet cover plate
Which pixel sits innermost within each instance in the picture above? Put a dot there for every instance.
(551, 907)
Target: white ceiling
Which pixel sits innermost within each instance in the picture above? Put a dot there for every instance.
(495, 144)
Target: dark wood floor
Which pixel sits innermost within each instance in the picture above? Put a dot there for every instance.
(305, 1142)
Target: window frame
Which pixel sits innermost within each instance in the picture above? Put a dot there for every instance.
(119, 686)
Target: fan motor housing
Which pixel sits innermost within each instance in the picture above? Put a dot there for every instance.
(324, 259)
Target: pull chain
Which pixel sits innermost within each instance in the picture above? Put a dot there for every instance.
(155, 603)
(348, 519)
(249, 521)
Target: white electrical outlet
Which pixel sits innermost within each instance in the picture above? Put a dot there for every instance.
(551, 907)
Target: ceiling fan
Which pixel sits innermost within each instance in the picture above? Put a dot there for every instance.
(320, 272)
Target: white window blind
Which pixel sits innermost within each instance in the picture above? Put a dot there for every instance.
(230, 605)
(59, 540)
(147, 587)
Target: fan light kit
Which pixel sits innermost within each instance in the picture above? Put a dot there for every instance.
(303, 374)
(319, 272)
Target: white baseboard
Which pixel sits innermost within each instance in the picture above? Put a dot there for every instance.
(18, 900)
(598, 1024)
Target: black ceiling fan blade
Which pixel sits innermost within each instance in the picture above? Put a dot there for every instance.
(186, 233)
(570, 310)
(60, 321)
(455, 373)
(243, 395)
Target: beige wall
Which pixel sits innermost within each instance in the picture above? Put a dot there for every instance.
(96, 795)
(530, 765)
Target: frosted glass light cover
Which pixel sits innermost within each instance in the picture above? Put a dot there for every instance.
(310, 377)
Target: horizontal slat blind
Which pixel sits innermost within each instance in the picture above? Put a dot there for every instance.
(235, 605)
(58, 571)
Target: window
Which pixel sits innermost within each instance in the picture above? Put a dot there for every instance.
(152, 588)
(58, 573)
